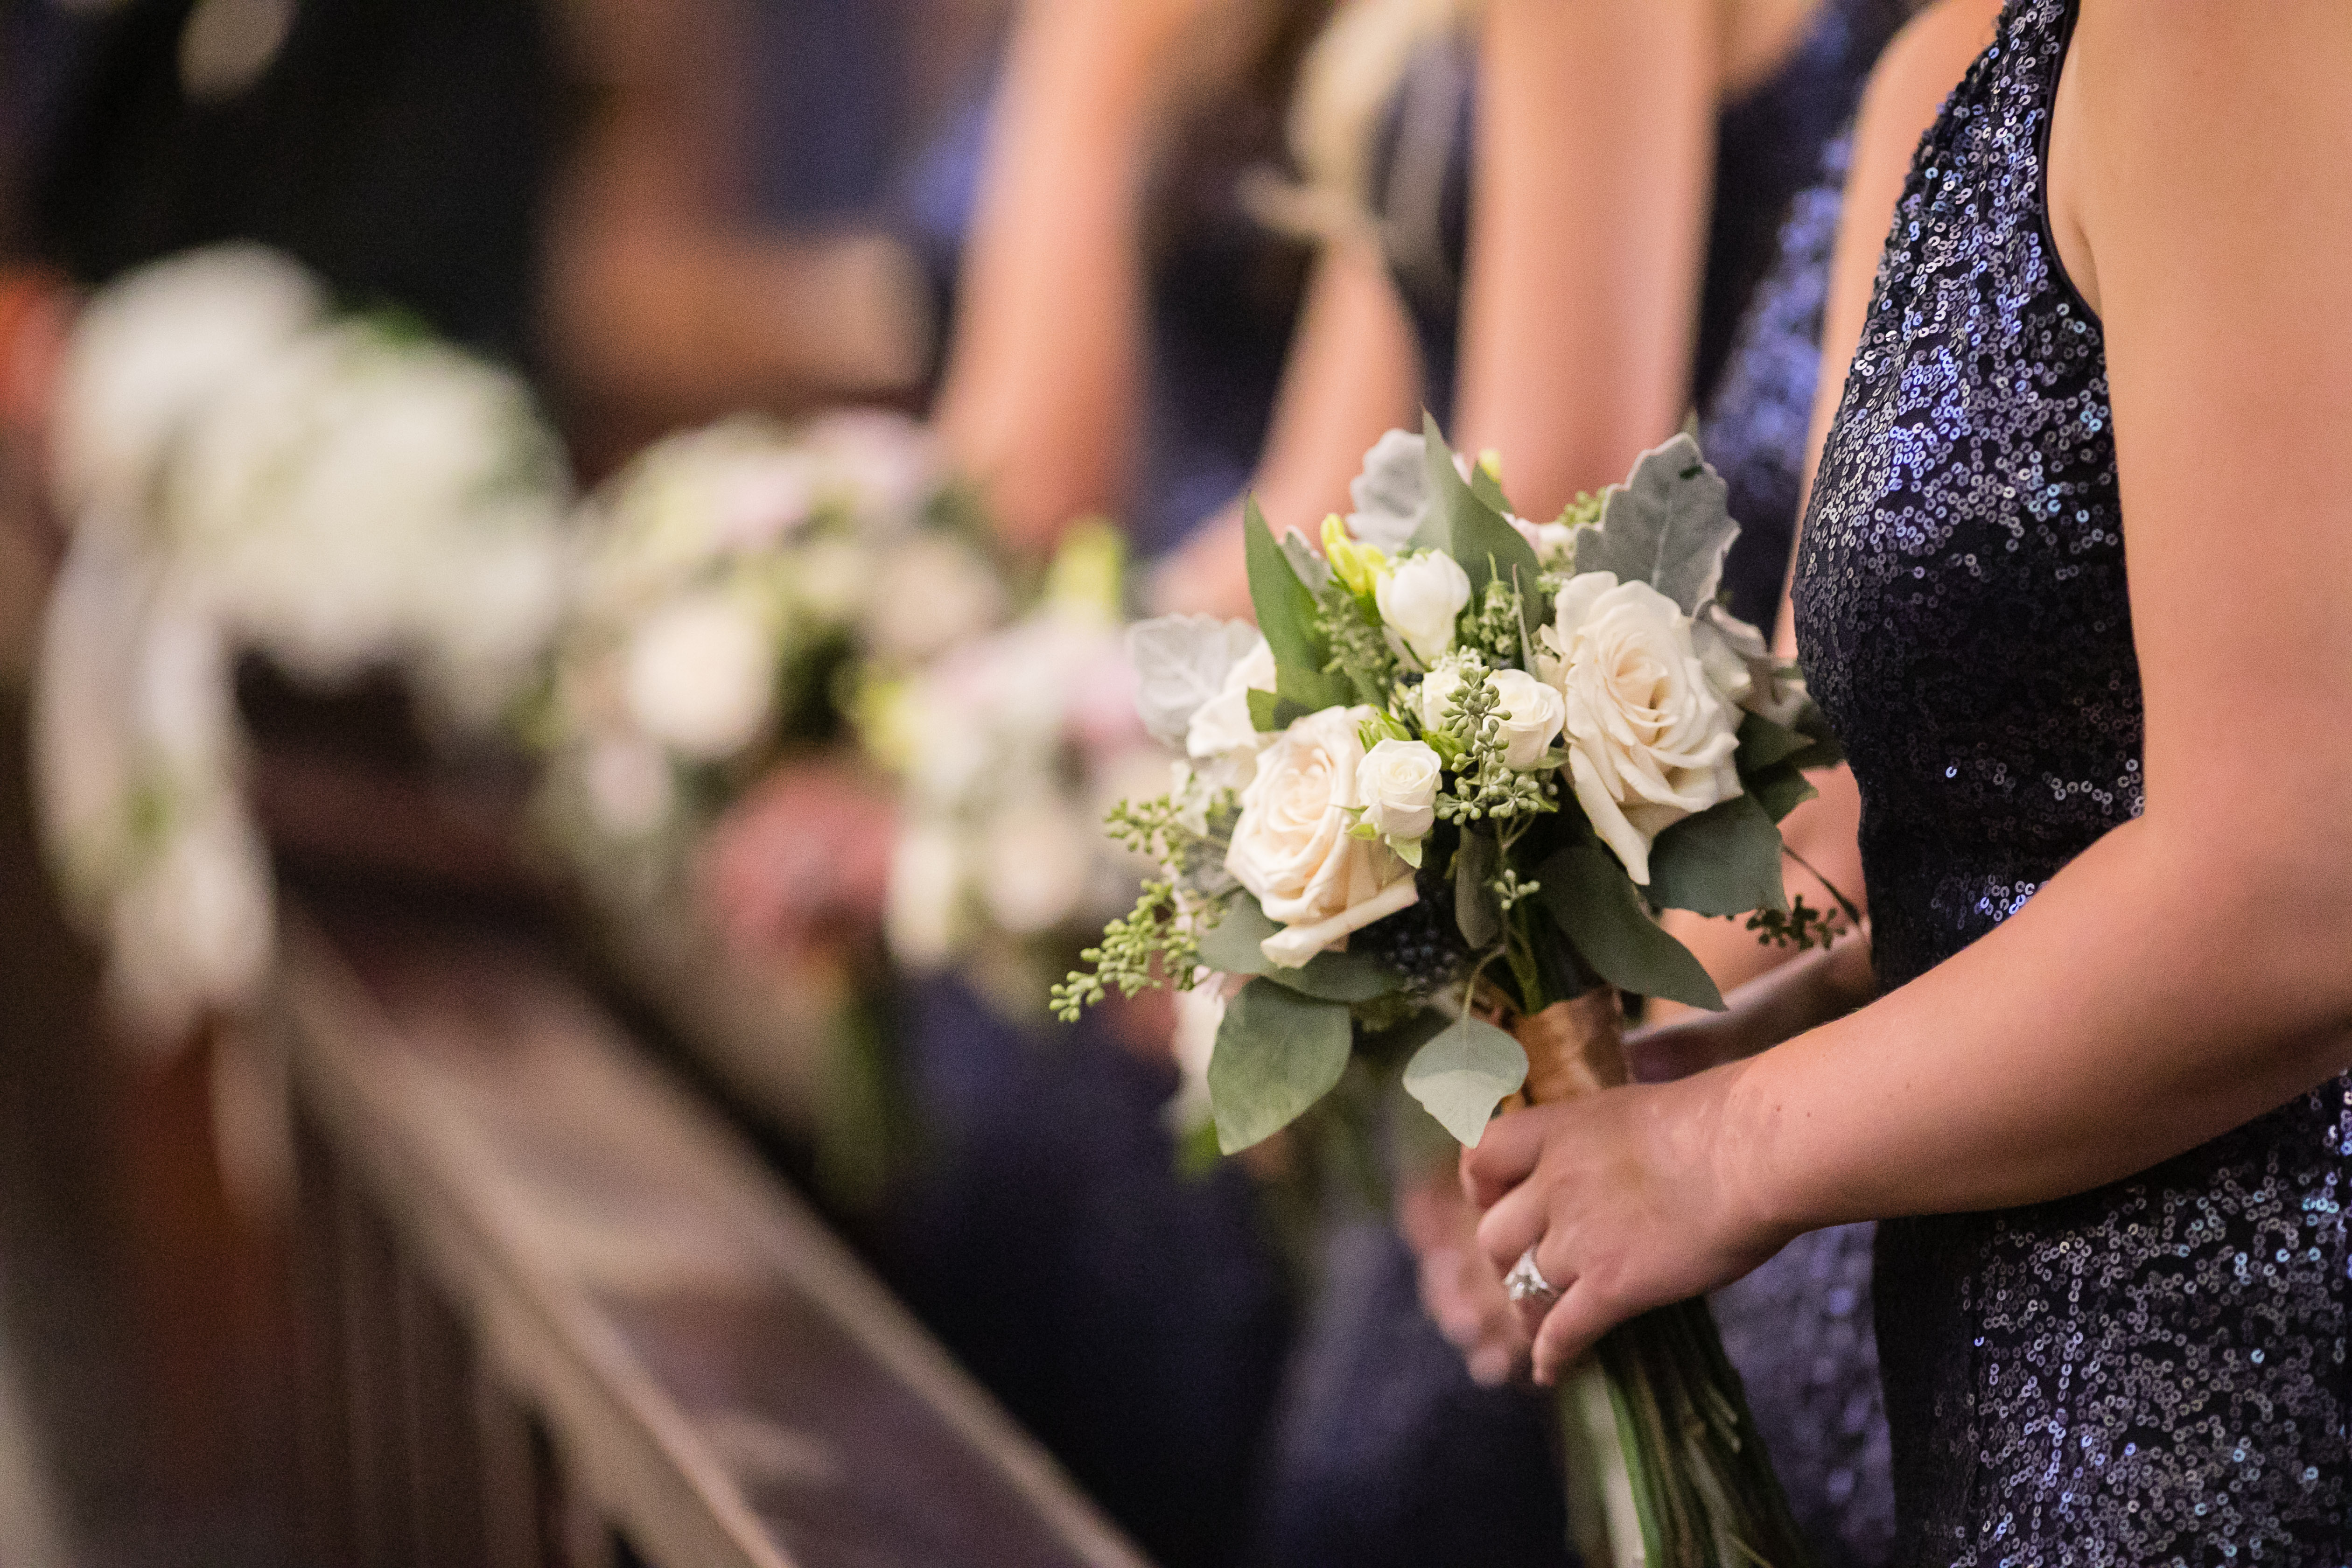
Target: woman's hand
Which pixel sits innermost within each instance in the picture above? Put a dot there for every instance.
(1623, 1197)
(802, 861)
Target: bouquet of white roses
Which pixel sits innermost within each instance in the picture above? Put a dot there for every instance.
(737, 585)
(243, 472)
(1430, 808)
(1009, 749)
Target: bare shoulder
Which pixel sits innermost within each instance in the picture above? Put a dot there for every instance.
(2190, 127)
(1922, 64)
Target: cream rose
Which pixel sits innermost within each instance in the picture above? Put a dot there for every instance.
(1292, 849)
(1435, 695)
(1398, 781)
(1418, 599)
(1650, 740)
(1531, 715)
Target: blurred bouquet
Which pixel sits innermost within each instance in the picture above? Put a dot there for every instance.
(1010, 748)
(1429, 810)
(737, 586)
(242, 472)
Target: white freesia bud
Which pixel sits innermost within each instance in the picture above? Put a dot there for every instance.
(1221, 724)
(1418, 599)
(1650, 739)
(1398, 783)
(1530, 716)
(700, 676)
(1292, 847)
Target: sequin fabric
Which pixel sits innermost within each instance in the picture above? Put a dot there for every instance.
(2153, 1373)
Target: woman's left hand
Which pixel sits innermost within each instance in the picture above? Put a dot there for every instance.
(1625, 1198)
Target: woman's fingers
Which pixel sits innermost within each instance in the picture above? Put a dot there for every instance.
(1570, 1329)
(1505, 1157)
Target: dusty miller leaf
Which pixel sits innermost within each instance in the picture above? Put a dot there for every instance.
(1181, 662)
(1392, 495)
(1668, 525)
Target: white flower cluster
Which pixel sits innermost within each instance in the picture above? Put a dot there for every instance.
(1012, 748)
(716, 568)
(242, 472)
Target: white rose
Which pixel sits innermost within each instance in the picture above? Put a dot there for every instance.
(1435, 695)
(1418, 599)
(1037, 861)
(1398, 781)
(942, 592)
(700, 676)
(1221, 724)
(1530, 716)
(1292, 849)
(1650, 740)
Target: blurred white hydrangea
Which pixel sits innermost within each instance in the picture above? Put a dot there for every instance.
(725, 576)
(1010, 749)
(150, 350)
(243, 474)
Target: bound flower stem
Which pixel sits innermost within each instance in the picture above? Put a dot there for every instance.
(1686, 1483)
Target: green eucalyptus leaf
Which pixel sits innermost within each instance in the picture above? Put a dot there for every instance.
(1284, 606)
(1474, 532)
(1231, 946)
(1277, 1053)
(1602, 914)
(1722, 861)
(1462, 1075)
(1762, 742)
(1779, 789)
(1474, 866)
(1668, 525)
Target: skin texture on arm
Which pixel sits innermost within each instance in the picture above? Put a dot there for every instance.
(1353, 373)
(1041, 401)
(2186, 974)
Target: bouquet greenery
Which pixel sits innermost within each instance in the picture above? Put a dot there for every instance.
(1428, 811)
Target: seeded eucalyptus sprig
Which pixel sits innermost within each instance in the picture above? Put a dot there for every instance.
(1484, 784)
(1155, 944)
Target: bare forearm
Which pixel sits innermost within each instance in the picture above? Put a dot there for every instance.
(1798, 994)
(1042, 382)
(2151, 996)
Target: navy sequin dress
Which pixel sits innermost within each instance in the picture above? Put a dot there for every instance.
(2153, 1372)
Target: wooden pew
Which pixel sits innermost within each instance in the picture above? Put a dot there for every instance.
(554, 1312)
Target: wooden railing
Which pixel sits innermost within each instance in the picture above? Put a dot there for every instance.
(554, 1314)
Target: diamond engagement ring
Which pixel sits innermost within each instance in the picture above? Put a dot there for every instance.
(1525, 1282)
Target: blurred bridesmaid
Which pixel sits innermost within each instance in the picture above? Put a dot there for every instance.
(1519, 233)
(1119, 330)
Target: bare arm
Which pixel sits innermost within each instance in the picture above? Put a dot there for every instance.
(2186, 974)
(1043, 394)
(1353, 373)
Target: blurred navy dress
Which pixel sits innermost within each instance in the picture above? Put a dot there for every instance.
(1133, 1318)
(1387, 1453)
